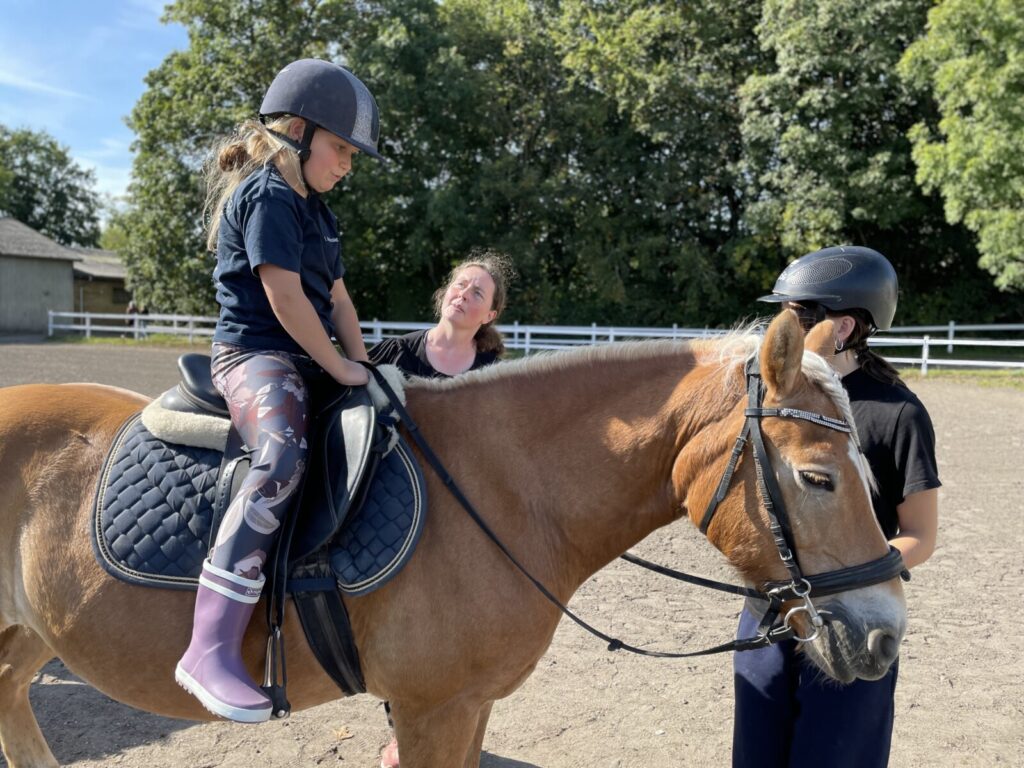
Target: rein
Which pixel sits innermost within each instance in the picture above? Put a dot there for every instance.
(798, 587)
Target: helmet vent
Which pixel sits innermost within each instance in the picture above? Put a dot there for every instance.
(820, 271)
(362, 128)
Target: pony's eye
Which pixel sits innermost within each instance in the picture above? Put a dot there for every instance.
(818, 480)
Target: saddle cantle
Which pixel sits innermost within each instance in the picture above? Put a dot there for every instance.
(357, 520)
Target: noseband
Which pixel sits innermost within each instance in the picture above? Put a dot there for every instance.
(798, 586)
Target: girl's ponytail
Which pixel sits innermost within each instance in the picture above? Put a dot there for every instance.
(249, 149)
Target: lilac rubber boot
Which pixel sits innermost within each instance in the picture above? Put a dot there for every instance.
(212, 669)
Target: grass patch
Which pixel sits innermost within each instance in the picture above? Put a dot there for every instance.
(1012, 378)
(152, 340)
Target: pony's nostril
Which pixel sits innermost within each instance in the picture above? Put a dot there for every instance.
(883, 646)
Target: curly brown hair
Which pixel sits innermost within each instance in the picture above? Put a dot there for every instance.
(502, 272)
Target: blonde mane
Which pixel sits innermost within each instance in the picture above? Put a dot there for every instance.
(726, 350)
(553, 361)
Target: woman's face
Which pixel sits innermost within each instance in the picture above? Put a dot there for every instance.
(330, 160)
(469, 298)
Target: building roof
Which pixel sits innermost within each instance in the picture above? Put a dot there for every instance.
(98, 264)
(17, 239)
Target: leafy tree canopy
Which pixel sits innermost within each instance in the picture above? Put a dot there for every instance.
(972, 61)
(41, 186)
(643, 162)
(828, 157)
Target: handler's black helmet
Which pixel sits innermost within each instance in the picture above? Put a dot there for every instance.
(842, 277)
(328, 96)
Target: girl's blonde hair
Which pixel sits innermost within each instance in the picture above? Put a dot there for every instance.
(499, 267)
(233, 159)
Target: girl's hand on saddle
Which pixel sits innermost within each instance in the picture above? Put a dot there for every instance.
(351, 374)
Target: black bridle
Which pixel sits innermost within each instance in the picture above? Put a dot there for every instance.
(797, 587)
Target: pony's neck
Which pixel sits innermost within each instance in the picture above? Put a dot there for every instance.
(582, 446)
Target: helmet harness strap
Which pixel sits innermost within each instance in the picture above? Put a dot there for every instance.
(302, 147)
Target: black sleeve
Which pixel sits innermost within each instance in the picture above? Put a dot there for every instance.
(385, 352)
(914, 449)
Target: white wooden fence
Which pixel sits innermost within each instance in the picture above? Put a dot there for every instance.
(535, 338)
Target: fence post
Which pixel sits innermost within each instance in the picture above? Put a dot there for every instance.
(515, 334)
(593, 333)
(191, 327)
(675, 330)
(135, 326)
(952, 332)
(526, 342)
(88, 326)
(49, 322)
(924, 355)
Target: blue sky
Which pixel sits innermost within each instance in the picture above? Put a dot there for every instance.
(75, 68)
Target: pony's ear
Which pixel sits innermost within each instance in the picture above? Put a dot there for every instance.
(822, 338)
(782, 353)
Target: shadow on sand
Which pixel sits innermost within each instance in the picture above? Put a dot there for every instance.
(495, 761)
(80, 723)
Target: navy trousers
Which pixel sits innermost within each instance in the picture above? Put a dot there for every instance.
(789, 715)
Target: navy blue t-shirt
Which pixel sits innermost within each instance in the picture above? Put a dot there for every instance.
(267, 222)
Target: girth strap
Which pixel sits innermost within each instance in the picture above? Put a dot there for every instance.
(326, 623)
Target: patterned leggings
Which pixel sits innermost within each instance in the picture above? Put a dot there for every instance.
(269, 404)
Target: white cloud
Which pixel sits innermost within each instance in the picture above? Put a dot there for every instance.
(111, 179)
(108, 148)
(22, 83)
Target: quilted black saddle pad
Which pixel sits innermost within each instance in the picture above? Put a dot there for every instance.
(154, 512)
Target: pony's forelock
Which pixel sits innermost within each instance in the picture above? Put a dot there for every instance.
(818, 370)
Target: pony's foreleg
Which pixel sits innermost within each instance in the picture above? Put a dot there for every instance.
(440, 736)
(473, 756)
(22, 653)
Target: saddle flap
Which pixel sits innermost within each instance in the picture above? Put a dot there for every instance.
(339, 461)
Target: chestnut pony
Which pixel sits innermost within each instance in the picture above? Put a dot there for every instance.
(571, 458)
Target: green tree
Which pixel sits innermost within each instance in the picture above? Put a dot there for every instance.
(828, 156)
(643, 162)
(41, 186)
(114, 237)
(595, 144)
(972, 61)
(559, 133)
(665, 190)
(193, 98)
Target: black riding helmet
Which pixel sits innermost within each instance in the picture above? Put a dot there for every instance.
(842, 277)
(328, 96)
